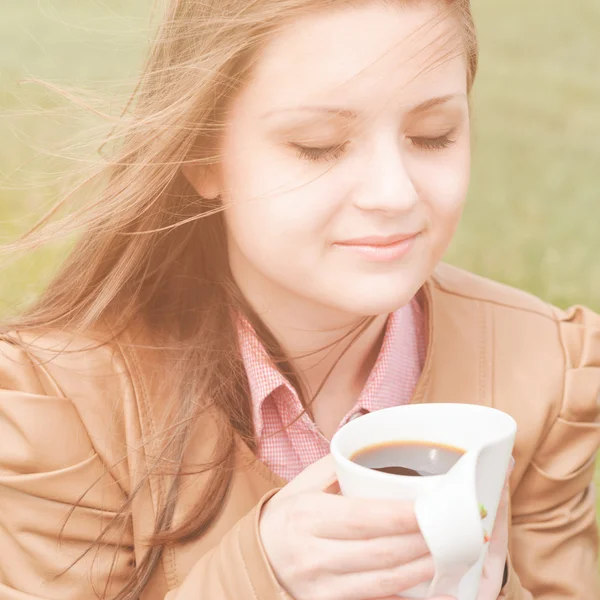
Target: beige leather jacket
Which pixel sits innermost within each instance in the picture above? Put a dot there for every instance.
(87, 419)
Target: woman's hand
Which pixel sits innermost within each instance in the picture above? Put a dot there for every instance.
(324, 546)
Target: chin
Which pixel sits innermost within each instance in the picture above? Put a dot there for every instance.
(372, 302)
(377, 293)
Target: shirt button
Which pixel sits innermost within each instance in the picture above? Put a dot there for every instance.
(360, 413)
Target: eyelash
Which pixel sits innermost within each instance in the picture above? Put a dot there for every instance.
(332, 153)
(438, 143)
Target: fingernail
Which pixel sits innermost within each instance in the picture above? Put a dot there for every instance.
(511, 464)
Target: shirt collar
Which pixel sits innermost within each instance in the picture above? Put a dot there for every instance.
(390, 383)
(263, 376)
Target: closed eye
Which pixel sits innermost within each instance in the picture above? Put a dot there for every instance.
(433, 143)
(328, 153)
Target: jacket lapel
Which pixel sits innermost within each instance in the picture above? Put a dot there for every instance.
(458, 364)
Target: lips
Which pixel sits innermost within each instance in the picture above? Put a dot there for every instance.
(379, 240)
(380, 248)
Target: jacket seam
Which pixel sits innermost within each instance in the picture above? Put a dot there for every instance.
(483, 363)
(247, 573)
(492, 355)
(552, 309)
(559, 409)
(141, 397)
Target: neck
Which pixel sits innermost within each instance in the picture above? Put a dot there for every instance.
(332, 352)
(330, 358)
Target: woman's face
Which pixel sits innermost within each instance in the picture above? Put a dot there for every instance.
(345, 161)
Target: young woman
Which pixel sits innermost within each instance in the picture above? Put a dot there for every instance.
(261, 266)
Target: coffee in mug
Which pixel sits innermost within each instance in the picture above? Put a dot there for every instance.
(411, 459)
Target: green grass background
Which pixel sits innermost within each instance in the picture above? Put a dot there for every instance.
(533, 219)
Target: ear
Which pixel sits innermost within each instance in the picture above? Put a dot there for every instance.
(203, 178)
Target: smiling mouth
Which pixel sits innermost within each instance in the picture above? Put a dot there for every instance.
(381, 249)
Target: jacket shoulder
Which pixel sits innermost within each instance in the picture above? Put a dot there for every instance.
(64, 396)
(525, 333)
(469, 286)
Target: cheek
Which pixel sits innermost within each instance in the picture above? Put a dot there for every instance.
(444, 187)
(270, 229)
(269, 188)
(275, 201)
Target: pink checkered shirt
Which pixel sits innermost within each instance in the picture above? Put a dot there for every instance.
(288, 451)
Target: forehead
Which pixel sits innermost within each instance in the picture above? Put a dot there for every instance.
(362, 55)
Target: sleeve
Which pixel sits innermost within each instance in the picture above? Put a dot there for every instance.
(47, 521)
(47, 462)
(554, 540)
(241, 553)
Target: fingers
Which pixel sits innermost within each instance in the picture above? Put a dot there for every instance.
(333, 488)
(354, 556)
(385, 583)
(350, 518)
(320, 476)
(340, 518)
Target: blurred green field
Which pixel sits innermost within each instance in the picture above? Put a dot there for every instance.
(533, 220)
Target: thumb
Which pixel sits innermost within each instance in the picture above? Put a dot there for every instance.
(318, 477)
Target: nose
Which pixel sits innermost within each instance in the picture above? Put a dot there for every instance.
(385, 182)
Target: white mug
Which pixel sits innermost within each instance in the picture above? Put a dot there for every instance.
(447, 505)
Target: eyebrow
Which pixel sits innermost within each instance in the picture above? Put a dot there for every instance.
(433, 102)
(350, 114)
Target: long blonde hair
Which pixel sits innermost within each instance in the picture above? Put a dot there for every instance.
(154, 251)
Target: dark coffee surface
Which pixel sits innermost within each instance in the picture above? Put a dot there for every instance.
(411, 459)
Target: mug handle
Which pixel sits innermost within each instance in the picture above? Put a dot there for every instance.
(450, 521)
